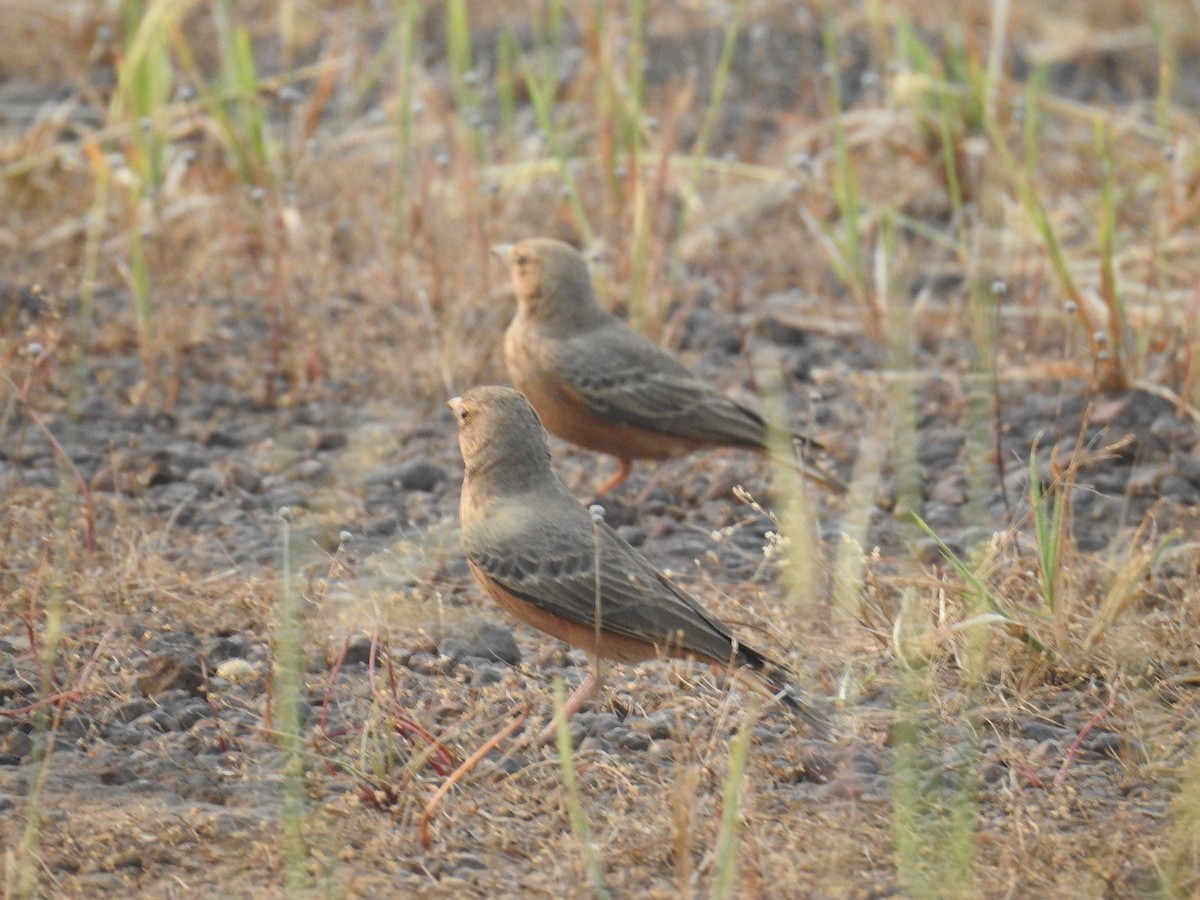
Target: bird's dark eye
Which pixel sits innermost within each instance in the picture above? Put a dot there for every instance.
(463, 414)
(522, 259)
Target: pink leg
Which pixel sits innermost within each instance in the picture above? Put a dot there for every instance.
(624, 467)
(579, 697)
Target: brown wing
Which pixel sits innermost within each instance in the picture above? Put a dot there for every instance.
(619, 375)
(549, 562)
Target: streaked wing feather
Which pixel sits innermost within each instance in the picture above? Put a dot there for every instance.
(635, 383)
(636, 601)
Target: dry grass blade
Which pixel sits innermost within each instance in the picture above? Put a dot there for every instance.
(244, 264)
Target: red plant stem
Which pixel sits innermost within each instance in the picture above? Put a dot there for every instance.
(519, 716)
(438, 756)
(89, 509)
(333, 676)
(1026, 771)
(1084, 732)
(61, 698)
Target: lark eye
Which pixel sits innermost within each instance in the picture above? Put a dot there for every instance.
(459, 409)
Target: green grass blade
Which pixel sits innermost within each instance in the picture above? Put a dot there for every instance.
(579, 823)
(729, 833)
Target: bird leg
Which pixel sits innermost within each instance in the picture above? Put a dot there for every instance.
(624, 467)
(580, 696)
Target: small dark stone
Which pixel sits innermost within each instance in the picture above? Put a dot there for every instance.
(865, 763)
(633, 534)
(815, 764)
(358, 650)
(487, 673)
(782, 333)
(994, 773)
(509, 765)
(930, 553)
(601, 724)
(15, 746)
(331, 440)
(223, 647)
(617, 732)
(482, 639)
(1042, 731)
(421, 475)
(457, 649)
(637, 741)
(225, 439)
(659, 725)
(133, 709)
(121, 735)
(382, 526)
(1116, 746)
(273, 500)
(179, 669)
(945, 781)
(187, 715)
(798, 362)
(156, 720)
(242, 475)
(470, 861)
(1188, 465)
(594, 744)
(100, 884)
(416, 475)
(765, 735)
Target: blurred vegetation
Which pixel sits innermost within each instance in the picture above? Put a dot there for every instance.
(340, 170)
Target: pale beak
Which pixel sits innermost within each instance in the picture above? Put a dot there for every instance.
(502, 250)
(455, 404)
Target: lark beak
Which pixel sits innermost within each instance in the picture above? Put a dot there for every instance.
(455, 404)
(502, 251)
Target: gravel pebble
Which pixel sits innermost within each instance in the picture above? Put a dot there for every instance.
(637, 741)
(431, 664)
(357, 650)
(119, 734)
(237, 671)
(15, 747)
(658, 725)
(487, 673)
(169, 671)
(483, 640)
(470, 861)
(635, 535)
(133, 709)
(416, 475)
(1042, 731)
(1117, 746)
